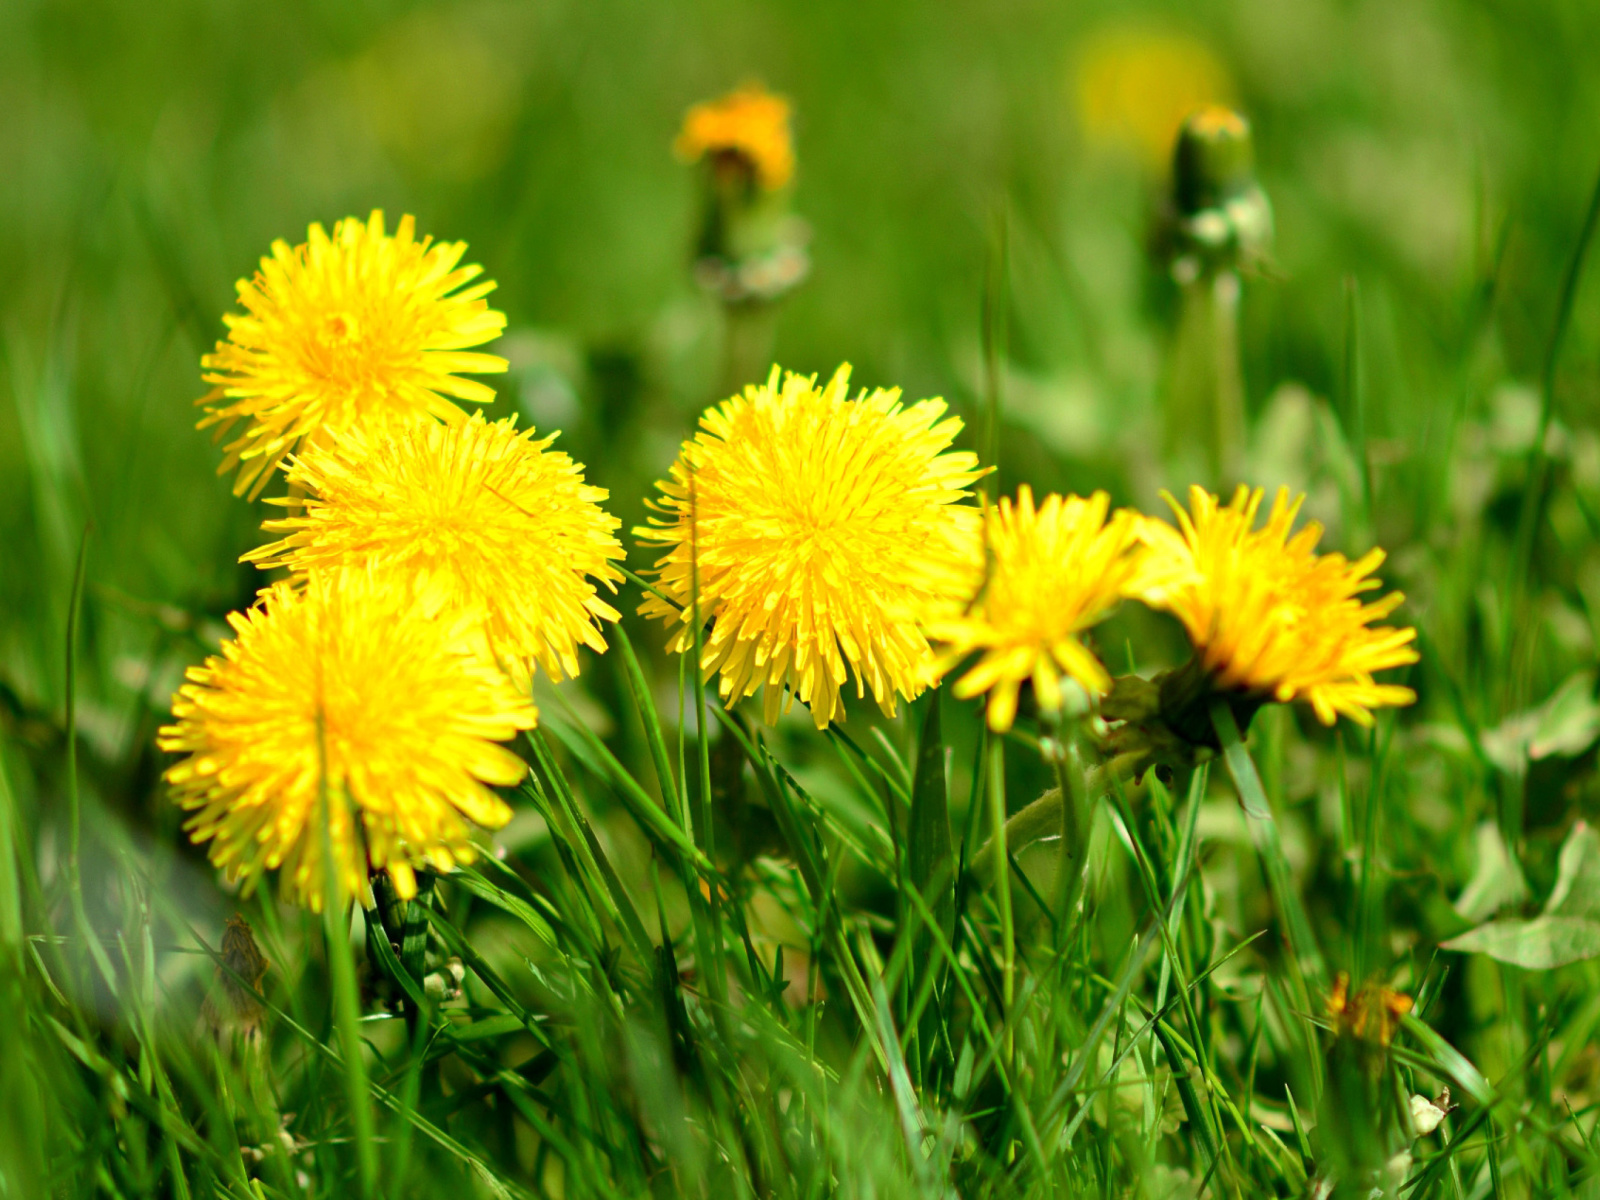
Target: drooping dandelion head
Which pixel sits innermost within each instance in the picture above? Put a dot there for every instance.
(1135, 86)
(357, 328)
(824, 529)
(353, 697)
(504, 526)
(1050, 572)
(750, 125)
(1270, 617)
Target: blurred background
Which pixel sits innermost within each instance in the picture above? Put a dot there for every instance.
(1002, 157)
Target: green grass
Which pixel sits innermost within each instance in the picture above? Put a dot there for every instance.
(716, 958)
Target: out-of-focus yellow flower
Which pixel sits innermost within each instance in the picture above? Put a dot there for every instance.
(1269, 616)
(824, 529)
(750, 123)
(360, 690)
(502, 524)
(1135, 87)
(1053, 571)
(348, 329)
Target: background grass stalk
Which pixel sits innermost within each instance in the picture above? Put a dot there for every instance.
(74, 799)
(997, 834)
(1264, 832)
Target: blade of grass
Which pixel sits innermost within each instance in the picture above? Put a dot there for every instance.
(654, 737)
(1264, 832)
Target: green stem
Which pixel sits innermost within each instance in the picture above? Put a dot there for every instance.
(1228, 394)
(1008, 952)
(341, 965)
(716, 977)
(1264, 833)
(74, 808)
(1538, 460)
(1072, 790)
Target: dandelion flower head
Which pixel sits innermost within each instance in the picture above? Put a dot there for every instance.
(1052, 571)
(357, 327)
(1136, 86)
(356, 690)
(824, 529)
(1268, 615)
(505, 526)
(750, 123)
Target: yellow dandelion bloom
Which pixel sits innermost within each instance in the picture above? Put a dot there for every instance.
(1136, 86)
(503, 525)
(359, 690)
(824, 528)
(1053, 570)
(751, 123)
(1268, 615)
(355, 327)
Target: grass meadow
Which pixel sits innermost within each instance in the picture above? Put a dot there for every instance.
(709, 955)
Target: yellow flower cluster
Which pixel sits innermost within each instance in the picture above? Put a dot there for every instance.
(822, 535)
(435, 561)
(808, 539)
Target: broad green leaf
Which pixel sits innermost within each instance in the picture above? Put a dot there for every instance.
(1496, 881)
(1577, 889)
(1565, 725)
(1569, 722)
(1537, 945)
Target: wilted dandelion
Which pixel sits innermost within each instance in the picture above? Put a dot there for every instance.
(1271, 618)
(350, 328)
(503, 525)
(231, 1008)
(1053, 571)
(824, 528)
(750, 126)
(360, 691)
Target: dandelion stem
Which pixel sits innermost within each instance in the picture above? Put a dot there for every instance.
(341, 965)
(997, 813)
(1264, 833)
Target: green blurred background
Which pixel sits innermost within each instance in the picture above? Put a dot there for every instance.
(1440, 153)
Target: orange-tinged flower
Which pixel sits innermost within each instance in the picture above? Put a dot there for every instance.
(355, 328)
(355, 691)
(751, 123)
(1269, 616)
(1053, 571)
(824, 529)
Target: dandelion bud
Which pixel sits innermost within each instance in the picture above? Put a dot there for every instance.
(1220, 218)
(1214, 159)
(751, 249)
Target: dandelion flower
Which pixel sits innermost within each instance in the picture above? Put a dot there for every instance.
(1268, 616)
(1053, 571)
(354, 689)
(504, 526)
(824, 529)
(1135, 87)
(750, 124)
(357, 327)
